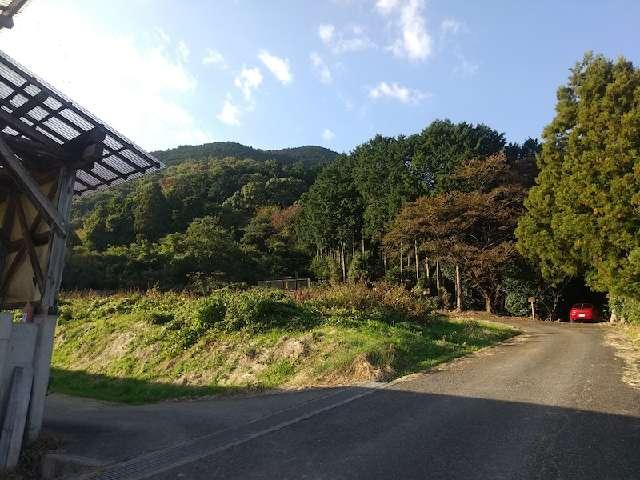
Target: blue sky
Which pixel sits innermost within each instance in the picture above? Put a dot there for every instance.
(279, 73)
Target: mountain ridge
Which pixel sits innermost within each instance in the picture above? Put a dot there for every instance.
(308, 154)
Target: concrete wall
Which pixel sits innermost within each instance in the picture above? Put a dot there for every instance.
(25, 356)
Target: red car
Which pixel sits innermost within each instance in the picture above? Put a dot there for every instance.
(583, 312)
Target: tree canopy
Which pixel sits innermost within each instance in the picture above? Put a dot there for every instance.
(583, 215)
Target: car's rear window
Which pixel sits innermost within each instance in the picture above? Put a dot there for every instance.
(581, 306)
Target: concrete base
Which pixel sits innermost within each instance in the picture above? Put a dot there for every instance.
(15, 417)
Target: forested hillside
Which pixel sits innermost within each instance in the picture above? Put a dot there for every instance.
(224, 212)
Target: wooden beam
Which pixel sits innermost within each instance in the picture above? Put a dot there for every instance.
(24, 180)
(31, 249)
(31, 149)
(6, 21)
(86, 138)
(58, 242)
(27, 130)
(29, 105)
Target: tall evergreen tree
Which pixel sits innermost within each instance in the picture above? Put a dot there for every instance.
(384, 179)
(150, 212)
(583, 216)
(444, 145)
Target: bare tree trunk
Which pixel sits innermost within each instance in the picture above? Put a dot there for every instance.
(384, 261)
(438, 276)
(362, 244)
(487, 303)
(415, 250)
(458, 289)
(427, 270)
(342, 263)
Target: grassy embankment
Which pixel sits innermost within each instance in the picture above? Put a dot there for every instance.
(138, 348)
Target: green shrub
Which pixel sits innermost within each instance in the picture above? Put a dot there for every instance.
(625, 308)
(390, 302)
(160, 318)
(335, 271)
(258, 310)
(359, 268)
(321, 268)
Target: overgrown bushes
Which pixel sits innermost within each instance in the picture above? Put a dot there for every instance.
(187, 318)
(626, 309)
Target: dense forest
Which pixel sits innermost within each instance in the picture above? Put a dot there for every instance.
(455, 211)
(222, 213)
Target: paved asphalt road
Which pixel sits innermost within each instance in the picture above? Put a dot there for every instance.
(550, 404)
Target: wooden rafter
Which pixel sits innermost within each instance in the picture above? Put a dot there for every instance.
(28, 131)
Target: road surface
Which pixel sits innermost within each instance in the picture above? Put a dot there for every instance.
(550, 404)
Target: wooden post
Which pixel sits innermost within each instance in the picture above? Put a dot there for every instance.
(532, 301)
(415, 249)
(46, 322)
(458, 289)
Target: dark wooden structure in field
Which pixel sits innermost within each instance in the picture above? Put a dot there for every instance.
(50, 150)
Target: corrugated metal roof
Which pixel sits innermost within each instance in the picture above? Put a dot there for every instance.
(35, 103)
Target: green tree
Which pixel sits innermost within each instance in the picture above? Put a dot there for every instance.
(150, 212)
(383, 178)
(472, 226)
(443, 145)
(583, 216)
(332, 208)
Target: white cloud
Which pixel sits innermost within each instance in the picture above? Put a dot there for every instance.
(213, 57)
(385, 7)
(142, 94)
(328, 135)
(230, 113)
(183, 51)
(321, 68)
(351, 39)
(451, 26)
(279, 67)
(465, 68)
(326, 33)
(398, 92)
(413, 41)
(248, 80)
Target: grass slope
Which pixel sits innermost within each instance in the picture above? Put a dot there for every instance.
(139, 348)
